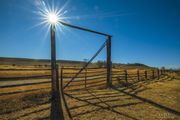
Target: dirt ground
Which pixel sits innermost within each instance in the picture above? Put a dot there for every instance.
(144, 100)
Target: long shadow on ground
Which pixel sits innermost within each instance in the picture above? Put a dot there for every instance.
(148, 101)
(99, 105)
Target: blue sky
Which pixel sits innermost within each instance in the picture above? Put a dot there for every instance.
(144, 31)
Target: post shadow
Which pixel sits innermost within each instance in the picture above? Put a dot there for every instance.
(149, 101)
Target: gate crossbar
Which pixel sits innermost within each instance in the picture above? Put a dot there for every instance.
(84, 29)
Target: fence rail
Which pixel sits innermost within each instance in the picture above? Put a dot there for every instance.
(96, 77)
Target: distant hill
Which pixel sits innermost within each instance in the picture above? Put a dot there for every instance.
(29, 62)
(133, 66)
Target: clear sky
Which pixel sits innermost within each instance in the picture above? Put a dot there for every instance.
(144, 31)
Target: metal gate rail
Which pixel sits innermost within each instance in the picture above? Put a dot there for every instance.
(101, 48)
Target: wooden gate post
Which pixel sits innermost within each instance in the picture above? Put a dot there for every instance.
(56, 108)
(109, 63)
(57, 77)
(53, 59)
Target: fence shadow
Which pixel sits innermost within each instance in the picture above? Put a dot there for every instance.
(24, 84)
(96, 101)
(148, 101)
(18, 103)
(24, 78)
(140, 86)
(29, 108)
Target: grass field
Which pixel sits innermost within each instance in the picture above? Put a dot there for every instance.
(26, 98)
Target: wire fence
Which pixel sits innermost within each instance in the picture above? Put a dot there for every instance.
(127, 77)
(97, 77)
(87, 78)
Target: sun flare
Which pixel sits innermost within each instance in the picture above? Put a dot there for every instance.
(52, 18)
(50, 14)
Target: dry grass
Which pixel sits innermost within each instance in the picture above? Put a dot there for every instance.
(112, 104)
(25, 102)
(147, 99)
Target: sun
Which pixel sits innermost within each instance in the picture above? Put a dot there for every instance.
(50, 15)
(52, 18)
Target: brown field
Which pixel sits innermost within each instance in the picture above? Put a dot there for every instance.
(25, 94)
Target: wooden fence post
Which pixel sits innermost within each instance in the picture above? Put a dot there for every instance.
(161, 72)
(125, 75)
(85, 76)
(152, 74)
(158, 74)
(138, 75)
(62, 78)
(145, 74)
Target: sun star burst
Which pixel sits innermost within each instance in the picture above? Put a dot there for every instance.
(52, 18)
(51, 14)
